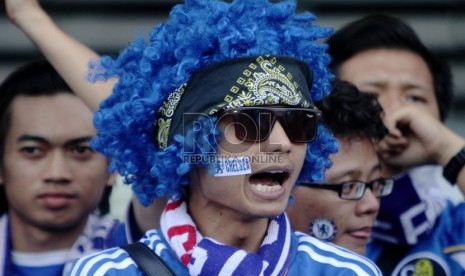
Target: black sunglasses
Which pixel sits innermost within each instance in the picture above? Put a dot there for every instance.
(354, 190)
(254, 124)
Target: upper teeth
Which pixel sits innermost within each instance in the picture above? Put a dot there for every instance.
(275, 171)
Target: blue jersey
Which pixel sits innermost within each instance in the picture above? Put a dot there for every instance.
(443, 253)
(309, 256)
(409, 217)
(409, 213)
(100, 233)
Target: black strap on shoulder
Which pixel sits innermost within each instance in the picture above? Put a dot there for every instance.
(147, 261)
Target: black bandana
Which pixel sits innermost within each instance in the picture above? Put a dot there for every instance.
(248, 81)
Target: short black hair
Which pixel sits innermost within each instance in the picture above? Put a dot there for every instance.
(35, 78)
(379, 31)
(349, 113)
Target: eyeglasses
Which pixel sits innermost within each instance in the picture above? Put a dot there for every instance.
(354, 189)
(254, 124)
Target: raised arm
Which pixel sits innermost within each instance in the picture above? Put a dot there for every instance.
(69, 57)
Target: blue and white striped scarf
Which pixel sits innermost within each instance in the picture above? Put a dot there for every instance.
(206, 256)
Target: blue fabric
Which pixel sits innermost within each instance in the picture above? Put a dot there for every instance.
(417, 216)
(444, 250)
(309, 257)
(442, 253)
(116, 261)
(209, 257)
(100, 233)
(410, 211)
(400, 202)
(44, 270)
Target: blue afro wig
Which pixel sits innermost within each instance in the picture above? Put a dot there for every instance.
(198, 33)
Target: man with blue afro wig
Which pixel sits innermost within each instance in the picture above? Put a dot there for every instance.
(216, 111)
(199, 34)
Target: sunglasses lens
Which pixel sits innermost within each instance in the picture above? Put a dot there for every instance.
(300, 125)
(255, 124)
(265, 124)
(245, 127)
(252, 124)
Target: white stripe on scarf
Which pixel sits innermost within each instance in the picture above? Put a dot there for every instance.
(206, 256)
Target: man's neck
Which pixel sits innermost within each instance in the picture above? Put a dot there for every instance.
(30, 238)
(228, 227)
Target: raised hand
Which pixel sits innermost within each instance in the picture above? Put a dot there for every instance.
(20, 10)
(416, 137)
(69, 57)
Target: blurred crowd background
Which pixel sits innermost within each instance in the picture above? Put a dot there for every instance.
(108, 25)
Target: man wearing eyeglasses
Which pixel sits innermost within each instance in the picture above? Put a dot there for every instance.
(342, 208)
(417, 226)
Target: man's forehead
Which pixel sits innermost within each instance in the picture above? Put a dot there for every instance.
(64, 117)
(354, 158)
(65, 105)
(46, 139)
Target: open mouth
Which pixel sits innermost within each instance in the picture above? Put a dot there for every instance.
(269, 181)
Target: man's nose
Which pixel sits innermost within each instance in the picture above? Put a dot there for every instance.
(278, 141)
(57, 168)
(369, 203)
(390, 101)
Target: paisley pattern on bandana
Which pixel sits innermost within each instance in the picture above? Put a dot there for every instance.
(259, 81)
(166, 112)
(263, 83)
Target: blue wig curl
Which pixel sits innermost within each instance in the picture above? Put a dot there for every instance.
(197, 33)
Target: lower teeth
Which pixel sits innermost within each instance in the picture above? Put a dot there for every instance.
(267, 189)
